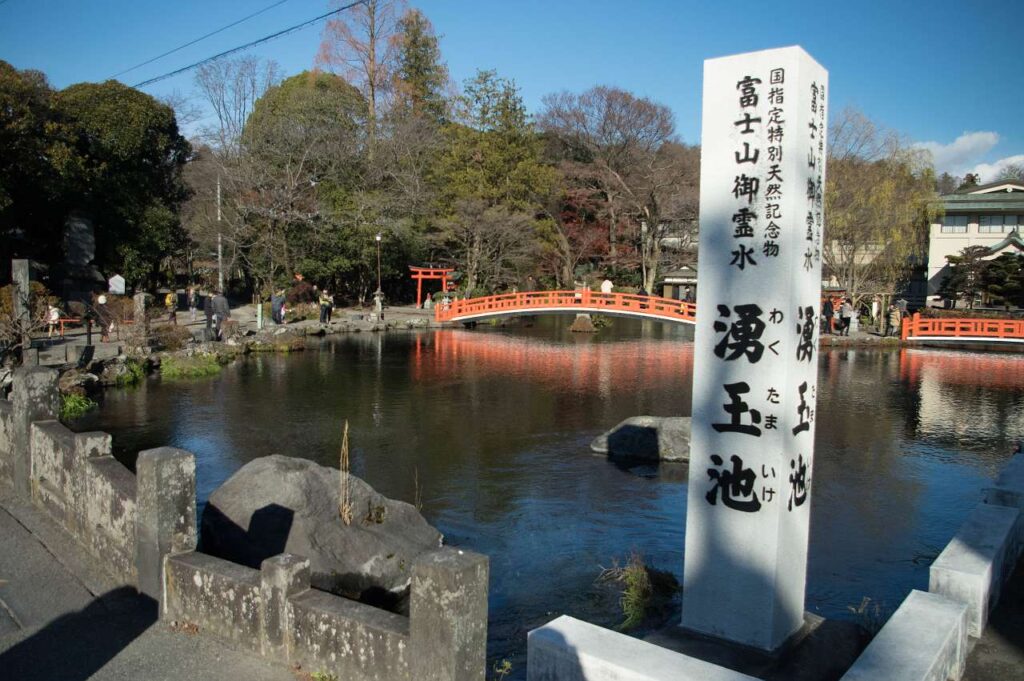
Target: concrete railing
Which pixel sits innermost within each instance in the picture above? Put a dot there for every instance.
(274, 612)
(126, 521)
(143, 529)
(927, 636)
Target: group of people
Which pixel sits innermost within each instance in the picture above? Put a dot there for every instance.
(837, 314)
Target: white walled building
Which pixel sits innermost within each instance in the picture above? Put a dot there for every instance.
(987, 215)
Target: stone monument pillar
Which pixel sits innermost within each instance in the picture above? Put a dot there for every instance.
(21, 278)
(140, 317)
(756, 346)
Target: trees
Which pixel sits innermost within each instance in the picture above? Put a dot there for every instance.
(879, 202)
(99, 149)
(127, 174)
(626, 147)
(1002, 280)
(35, 151)
(1012, 171)
(421, 77)
(965, 275)
(947, 184)
(302, 142)
(361, 46)
(232, 87)
(491, 161)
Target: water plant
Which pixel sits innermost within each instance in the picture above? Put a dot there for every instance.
(870, 615)
(323, 676)
(645, 589)
(73, 406)
(189, 367)
(501, 670)
(134, 372)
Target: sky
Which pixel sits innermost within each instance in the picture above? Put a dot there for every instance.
(945, 74)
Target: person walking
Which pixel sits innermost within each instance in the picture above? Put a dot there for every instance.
(171, 304)
(826, 316)
(221, 313)
(208, 312)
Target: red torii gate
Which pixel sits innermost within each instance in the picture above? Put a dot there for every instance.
(421, 273)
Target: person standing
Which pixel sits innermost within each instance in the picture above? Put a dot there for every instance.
(221, 313)
(325, 306)
(827, 311)
(193, 301)
(52, 319)
(276, 307)
(607, 285)
(895, 319)
(845, 316)
(687, 294)
(104, 318)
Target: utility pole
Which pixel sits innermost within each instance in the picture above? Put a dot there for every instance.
(220, 249)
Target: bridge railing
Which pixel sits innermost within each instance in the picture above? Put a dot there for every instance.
(916, 326)
(584, 300)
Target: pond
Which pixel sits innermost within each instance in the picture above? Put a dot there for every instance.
(490, 429)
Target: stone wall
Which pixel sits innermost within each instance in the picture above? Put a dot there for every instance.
(143, 529)
(274, 612)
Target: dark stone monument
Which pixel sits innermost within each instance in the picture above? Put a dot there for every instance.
(77, 277)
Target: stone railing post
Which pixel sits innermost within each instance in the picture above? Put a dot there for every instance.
(166, 501)
(448, 616)
(35, 397)
(281, 577)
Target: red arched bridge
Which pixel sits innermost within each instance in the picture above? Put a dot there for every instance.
(918, 328)
(567, 302)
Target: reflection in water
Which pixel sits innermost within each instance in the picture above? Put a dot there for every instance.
(495, 425)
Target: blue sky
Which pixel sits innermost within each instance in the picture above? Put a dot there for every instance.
(946, 74)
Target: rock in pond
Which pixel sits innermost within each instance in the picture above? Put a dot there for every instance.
(280, 504)
(658, 438)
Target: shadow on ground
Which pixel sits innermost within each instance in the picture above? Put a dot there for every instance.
(75, 646)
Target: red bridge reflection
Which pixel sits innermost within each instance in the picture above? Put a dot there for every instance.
(628, 364)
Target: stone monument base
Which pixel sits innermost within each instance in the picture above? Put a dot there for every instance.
(822, 650)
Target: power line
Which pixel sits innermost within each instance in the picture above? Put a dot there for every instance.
(264, 39)
(189, 44)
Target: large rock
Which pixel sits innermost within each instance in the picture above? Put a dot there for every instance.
(280, 504)
(658, 438)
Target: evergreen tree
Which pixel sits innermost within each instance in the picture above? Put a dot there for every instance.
(421, 76)
(1003, 280)
(965, 275)
(490, 180)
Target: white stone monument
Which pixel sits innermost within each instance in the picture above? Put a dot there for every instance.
(756, 346)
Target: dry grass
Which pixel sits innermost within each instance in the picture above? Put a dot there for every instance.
(345, 482)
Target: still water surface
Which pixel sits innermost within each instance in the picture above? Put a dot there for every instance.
(493, 426)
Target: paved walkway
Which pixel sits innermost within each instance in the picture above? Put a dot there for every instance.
(61, 617)
(999, 653)
(54, 352)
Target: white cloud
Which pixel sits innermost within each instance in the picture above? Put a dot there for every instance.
(963, 154)
(989, 172)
